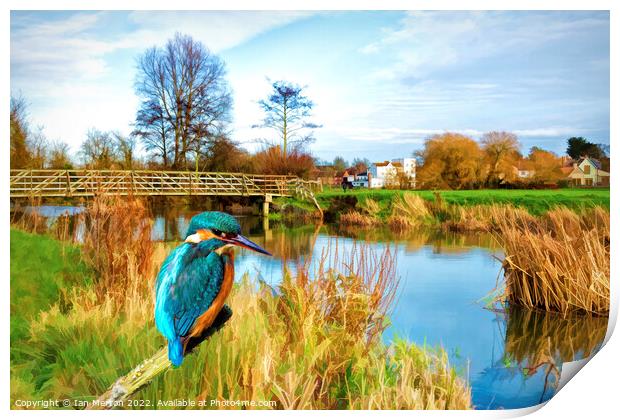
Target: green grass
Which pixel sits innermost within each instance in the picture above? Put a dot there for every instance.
(42, 270)
(535, 201)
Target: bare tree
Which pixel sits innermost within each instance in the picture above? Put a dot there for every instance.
(58, 156)
(97, 151)
(125, 148)
(340, 164)
(287, 111)
(185, 99)
(501, 152)
(361, 164)
(38, 146)
(20, 155)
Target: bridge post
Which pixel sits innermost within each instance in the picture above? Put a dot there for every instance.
(268, 200)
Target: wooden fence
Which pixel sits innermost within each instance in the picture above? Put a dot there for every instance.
(85, 183)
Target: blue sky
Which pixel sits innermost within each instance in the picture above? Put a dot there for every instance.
(382, 81)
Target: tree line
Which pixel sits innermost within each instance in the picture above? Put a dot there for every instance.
(182, 122)
(456, 161)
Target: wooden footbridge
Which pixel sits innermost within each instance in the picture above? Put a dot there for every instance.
(88, 183)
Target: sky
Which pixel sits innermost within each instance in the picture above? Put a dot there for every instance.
(381, 81)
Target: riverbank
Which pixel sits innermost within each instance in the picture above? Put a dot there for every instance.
(534, 201)
(457, 210)
(286, 347)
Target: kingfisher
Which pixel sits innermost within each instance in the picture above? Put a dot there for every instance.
(196, 278)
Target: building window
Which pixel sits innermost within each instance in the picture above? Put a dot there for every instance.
(586, 169)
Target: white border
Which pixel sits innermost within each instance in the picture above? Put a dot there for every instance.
(593, 394)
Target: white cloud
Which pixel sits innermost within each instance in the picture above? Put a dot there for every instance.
(427, 41)
(548, 132)
(219, 30)
(62, 64)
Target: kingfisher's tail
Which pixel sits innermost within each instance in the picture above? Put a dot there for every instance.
(175, 351)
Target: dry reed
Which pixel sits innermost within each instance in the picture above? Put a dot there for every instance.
(117, 245)
(355, 218)
(559, 262)
(29, 219)
(370, 206)
(408, 210)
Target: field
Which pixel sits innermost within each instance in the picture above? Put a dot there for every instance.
(535, 201)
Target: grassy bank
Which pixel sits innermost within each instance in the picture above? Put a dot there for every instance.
(534, 201)
(42, 271)
(316, 343)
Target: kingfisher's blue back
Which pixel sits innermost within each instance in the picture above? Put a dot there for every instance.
(187, 284)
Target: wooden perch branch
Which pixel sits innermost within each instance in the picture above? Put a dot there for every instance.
(145, 372)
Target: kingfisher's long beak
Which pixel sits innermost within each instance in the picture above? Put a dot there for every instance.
(244, 242)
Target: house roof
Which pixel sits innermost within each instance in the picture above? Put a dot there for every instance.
(386, 163)
(397, 164)
(566, 170)
(595, 162)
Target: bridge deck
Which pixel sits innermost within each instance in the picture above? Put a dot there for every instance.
(85, 183)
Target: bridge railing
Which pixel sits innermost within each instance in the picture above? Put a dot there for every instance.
(82, 182)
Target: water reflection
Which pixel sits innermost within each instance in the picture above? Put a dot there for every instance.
(511, 357)
(528, 361)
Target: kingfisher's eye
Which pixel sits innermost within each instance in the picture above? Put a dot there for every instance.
(216, 232)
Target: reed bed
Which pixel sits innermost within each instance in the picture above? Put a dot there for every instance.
(370, 206)
(558, 262)
(469, 219)
(117, 244)
(408, 210)
(365, 216)
(28, 219)
(356, 218)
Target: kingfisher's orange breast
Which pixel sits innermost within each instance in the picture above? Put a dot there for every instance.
(205, 320)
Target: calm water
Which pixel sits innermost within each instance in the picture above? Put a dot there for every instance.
(511, 358)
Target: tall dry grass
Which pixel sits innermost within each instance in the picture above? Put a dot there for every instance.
(366, 216)
(370, 206)
(29, 219)
(558, 262)
(408, 210)
(356, 218)
(117, 244)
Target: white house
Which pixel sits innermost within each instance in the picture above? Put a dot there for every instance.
(361, 180)
(408, 165)
(524, 169)
(384, 173)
